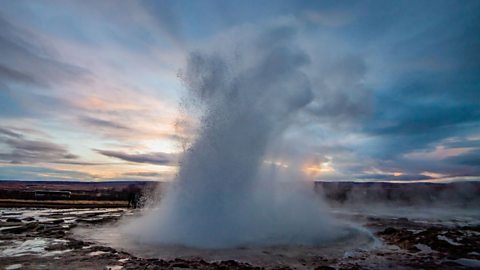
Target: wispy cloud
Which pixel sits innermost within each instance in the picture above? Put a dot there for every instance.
(10, 133)
(156, 158)
(395, 85)
(23, 150)
(103, 124)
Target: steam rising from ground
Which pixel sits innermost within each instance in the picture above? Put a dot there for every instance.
(225, 194)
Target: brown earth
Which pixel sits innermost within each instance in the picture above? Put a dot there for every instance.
(44, 239)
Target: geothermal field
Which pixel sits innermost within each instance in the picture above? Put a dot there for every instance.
(239, 134)
(385, 234)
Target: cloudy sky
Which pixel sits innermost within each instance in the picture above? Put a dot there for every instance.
(90, 90)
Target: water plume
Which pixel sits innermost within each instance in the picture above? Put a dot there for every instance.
(225, 194)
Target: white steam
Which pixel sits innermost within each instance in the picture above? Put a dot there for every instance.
(225, 195)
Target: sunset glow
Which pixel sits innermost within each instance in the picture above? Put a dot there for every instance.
(88, 93)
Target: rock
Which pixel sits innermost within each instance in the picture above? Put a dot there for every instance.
(56, 221)
(107, 249)
(21, 229)
(11, 214)
(180, 265)
(9, 224)
(13, 220)
(161, 263)
(96, 220)
(75, 244)
(16, 229)
(30, 226)
(388, 231)
(324, 267)
(60, 234)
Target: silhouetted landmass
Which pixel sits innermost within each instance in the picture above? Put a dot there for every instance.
(417, 193)
(72, 193)
(127, 193)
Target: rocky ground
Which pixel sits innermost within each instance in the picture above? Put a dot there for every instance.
(45, 239)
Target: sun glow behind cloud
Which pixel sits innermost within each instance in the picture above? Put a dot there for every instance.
(317, 170)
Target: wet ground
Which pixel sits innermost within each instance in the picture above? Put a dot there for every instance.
(395, 238)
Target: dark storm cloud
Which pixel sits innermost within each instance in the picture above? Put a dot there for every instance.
(340, 91)
(447, 167)
(18, 149)
(435, 93)
(157, 158)
(400, 129)
(421, 129)
(471, 158)
(412, 119)
(387, 177)
(463, 143)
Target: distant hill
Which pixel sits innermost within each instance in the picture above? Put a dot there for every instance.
(353, 193)
(417, 193)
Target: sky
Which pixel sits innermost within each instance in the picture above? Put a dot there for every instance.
(92, 90)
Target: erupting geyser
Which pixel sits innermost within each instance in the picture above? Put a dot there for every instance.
(223, 196)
